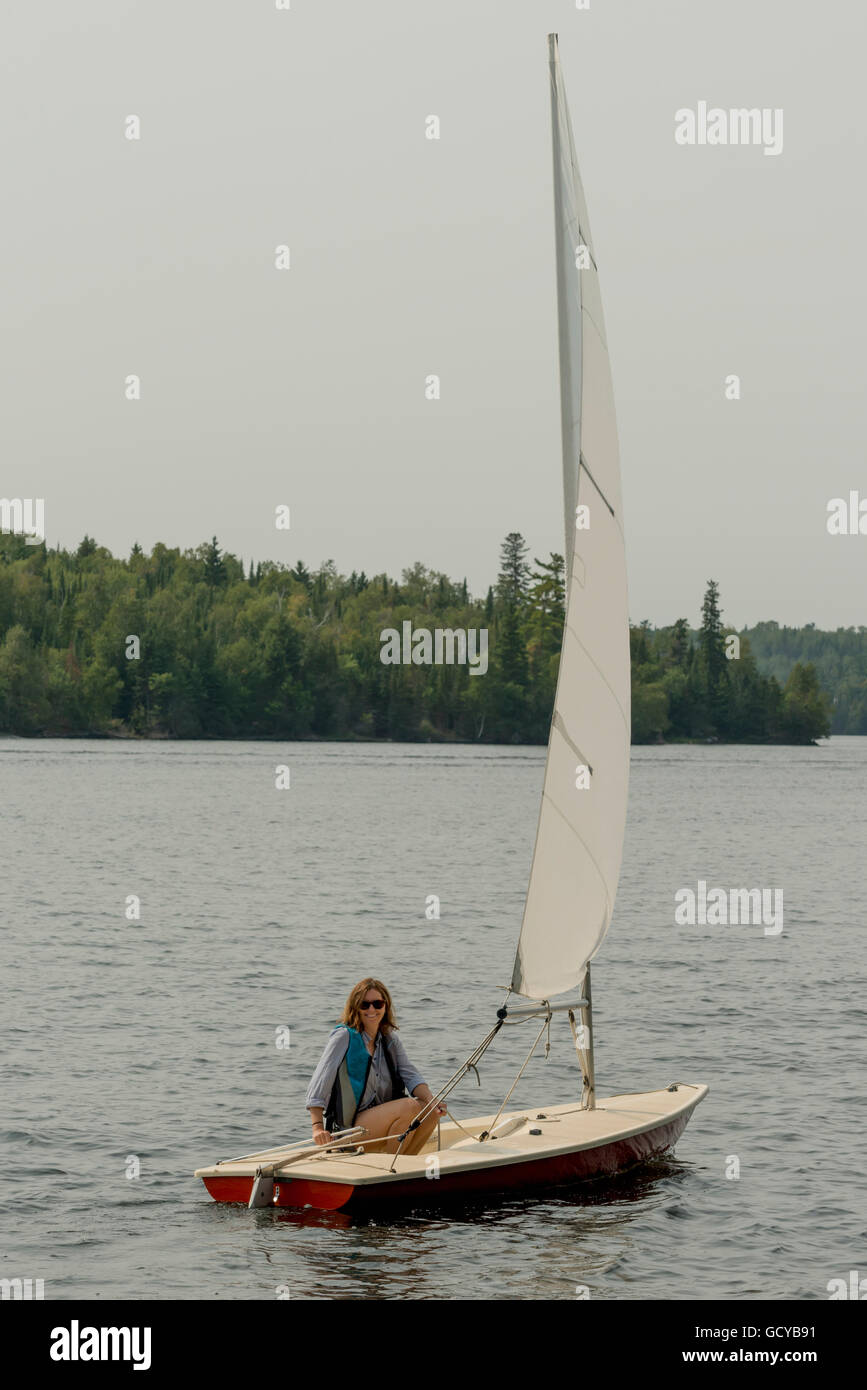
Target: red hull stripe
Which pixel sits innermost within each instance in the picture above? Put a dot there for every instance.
(600, 1162)
(298, 1193)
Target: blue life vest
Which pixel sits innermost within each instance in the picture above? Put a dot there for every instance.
(351, 1079)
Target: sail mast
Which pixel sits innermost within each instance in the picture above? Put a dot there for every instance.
(569, 341)
(579, 840)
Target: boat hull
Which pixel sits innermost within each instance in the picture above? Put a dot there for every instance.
(435, 1178)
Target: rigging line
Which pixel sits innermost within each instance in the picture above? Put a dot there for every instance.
(372, 1167)
(585, 242)
(582, 463)
(576, 424)
(546, 1024)
(573, 227)
(458, 1076)
(273, 1155)
(606, 1100)
(561, 727)
(311, 1155)
(474, 1057)
(461, 1127)
(519, 1022)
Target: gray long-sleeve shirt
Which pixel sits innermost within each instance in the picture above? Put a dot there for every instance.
(378, 1088)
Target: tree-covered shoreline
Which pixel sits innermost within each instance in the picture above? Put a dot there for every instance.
(186, 644)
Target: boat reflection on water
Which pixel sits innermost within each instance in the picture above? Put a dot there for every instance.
(580, 1239)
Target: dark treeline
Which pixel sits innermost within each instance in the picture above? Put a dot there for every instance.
(708, 684)
(840, 659)
(189, 645)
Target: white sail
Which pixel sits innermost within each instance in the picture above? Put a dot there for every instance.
(579, 841)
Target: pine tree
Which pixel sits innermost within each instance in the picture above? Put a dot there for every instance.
(215, 569)
(711, 642)
(511, 650)
(680, 643)
(548, 593)
(514, 571)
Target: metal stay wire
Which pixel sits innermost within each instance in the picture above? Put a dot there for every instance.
(469, 1065)
(459, 1075)
(546, 1024)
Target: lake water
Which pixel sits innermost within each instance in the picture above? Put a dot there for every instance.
(155, 1039)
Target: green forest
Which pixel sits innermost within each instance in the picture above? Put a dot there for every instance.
(186, 644)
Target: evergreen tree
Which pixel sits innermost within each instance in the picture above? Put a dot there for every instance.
(639, 645)
(806, 709)
(544, 625)
(514, 570)
(681, 643)
(215, 569)
(511, 650)
(548, 593)
(301, 573)
(714, 667)
(292, 655)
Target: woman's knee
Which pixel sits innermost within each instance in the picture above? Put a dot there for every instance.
(409, 1108)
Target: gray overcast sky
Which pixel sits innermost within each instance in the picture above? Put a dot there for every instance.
(412, 257)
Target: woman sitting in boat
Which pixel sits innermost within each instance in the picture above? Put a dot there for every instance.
(364, 1074)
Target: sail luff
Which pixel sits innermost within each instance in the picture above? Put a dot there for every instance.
(579, 840)
(567, 367)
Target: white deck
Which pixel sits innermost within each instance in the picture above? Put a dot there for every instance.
(565, 1129)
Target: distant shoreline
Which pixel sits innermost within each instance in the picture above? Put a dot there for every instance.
(114, 737)
(196, 645)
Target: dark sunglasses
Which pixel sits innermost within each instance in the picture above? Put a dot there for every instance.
(373, 1004)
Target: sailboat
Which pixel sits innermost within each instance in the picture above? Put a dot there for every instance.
(579, 839)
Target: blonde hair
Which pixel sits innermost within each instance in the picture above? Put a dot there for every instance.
(352, 1008)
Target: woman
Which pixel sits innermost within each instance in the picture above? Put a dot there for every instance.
(364, 1073)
